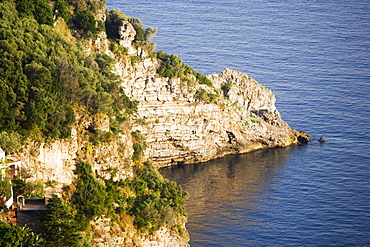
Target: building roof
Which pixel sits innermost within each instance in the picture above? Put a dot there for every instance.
(34, 204)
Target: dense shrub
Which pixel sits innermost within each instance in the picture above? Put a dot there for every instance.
(157, 202)
(85, 21)
(172, 66)
(62, 9)
(5, 187)
(38, 9)
(139, 145)
(202, 79)
(148, 197)
(203, 96)
(12, 236)
(142, 37)
(9, 141)
(28, 189)
(112, 23)
(43, 76)
(89, 197)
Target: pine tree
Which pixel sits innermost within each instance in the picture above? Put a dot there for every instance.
(59, 224)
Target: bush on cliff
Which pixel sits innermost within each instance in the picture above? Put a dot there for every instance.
(139, 145)
(152, 201)
(142, 37)
(157, 202)
(171, 66)
(85, 22)
(89, 197)
(37, 9)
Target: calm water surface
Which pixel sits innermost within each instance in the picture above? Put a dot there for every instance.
(315, 56)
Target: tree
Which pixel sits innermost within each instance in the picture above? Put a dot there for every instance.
(28, 189)
(59, 224)
(39, 9)
(9, 141)
(89, 197)
(12, 236)
(85, 21)
(62, 9)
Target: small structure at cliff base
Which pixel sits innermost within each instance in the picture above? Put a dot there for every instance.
(29, 212)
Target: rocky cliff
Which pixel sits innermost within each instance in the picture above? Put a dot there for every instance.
(182, 126)
(183, 122)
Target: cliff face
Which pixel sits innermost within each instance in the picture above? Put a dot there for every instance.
(183, 122)
(57, 160)
(181, 128)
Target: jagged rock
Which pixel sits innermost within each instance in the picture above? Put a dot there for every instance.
(181, 130)
(126, 34)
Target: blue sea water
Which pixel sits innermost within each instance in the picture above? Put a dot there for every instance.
(315, 56)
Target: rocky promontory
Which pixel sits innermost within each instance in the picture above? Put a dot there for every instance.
(92, 110)
(182, 121)
(188, 123)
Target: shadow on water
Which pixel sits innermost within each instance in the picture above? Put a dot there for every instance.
(229, 190)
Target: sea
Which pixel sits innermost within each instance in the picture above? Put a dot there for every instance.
(315, 56)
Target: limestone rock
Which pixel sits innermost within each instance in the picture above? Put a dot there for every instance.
(126, 34)
(182, 130)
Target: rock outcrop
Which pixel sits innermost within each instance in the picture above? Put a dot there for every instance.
(183, 122)
(180, 128)
(56, 161)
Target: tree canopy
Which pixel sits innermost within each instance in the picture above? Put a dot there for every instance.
(60, 227)
(44, 76)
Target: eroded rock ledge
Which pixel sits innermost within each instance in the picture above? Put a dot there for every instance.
(181, 128)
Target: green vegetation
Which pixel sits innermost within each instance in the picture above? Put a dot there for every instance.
(43, 76)
(61, 9)
(203, 96)
(157, 201)
(28, 189)
(9, 141)
(85, 22)
(5, 187)
(172, 66)
(148, 197)
(139, 145)
(89, 197)
(37, 9)
(142, 37)
(13, 236)
(60, 227)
